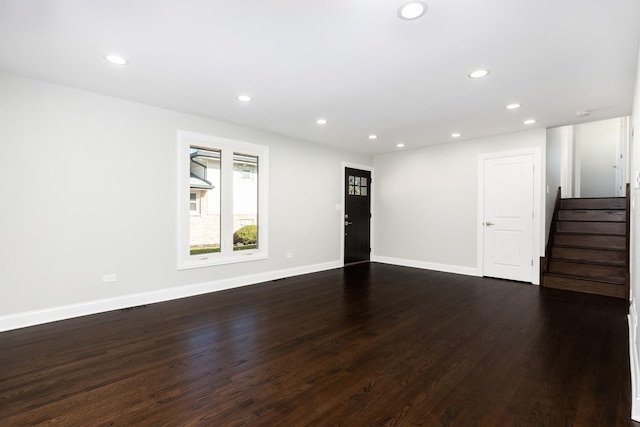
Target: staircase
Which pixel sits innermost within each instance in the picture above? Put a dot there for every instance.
(588, 247)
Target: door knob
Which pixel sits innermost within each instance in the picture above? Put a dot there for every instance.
(488, 224)
(348, 223)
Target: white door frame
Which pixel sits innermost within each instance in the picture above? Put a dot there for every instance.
(342, 207)
(538, 212)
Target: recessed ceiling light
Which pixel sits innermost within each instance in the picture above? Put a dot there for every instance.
(412, 10)
(400, 145)
(115, 59)
(455, 135)
(529, 122)
(244, 98)
(478, 74)
(513, 106)
(321, 121)
(373, 136)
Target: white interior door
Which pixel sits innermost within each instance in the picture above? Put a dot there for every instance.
(508, 217)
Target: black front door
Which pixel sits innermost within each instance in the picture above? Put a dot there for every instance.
(357, 218)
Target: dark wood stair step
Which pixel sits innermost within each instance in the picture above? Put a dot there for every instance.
(592, 215)
(599, 256)
(582, 284)
(590, 241)
(607, 273)
(592, 227)
(594, 203)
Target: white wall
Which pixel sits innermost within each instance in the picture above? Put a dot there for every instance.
(634, 338)
(556, 146)
(596, 146)
(89, 187)
(426, 201)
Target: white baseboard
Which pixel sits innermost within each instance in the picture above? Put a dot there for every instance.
(633, 362)
(446, 268)
(38, 317)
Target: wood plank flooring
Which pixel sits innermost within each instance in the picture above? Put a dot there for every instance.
(367, 345)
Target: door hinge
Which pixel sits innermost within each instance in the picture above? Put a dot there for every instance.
(531, 263)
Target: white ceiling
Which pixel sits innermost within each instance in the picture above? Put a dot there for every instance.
(353, 62)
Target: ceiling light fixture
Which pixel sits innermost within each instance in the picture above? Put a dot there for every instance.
(244, 98)
(412, 10)
(529, 122)
(321, 121)
(401, 145)
(513, 106)
(455, 135)
(373, 136)
(478, 74)
(115, 59)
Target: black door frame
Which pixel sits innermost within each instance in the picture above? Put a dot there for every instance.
(343, 205)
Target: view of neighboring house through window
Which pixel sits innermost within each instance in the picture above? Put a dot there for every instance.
(204, 201)
(223, 196)
(245, 201)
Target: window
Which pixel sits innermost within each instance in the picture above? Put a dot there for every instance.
(194, 203)
(357, 186)
(223, 201)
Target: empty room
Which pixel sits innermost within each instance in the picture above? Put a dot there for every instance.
(358, 213)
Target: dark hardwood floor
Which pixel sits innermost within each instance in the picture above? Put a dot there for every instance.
(367, 345)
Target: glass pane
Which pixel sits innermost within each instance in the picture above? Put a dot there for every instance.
(350, 180)
(363, 191)
(356, 181)
(204, 229)
(363, 182)
(357, 193)
(351, 190)
(193, 203)
(245, 202)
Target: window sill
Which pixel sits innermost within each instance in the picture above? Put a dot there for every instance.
(211, 260)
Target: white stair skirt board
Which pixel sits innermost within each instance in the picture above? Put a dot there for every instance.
(633, 362)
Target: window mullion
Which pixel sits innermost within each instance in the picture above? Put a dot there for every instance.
(227, 202)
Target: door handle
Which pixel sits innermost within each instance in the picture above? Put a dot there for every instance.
(348, 223)
(488, 224)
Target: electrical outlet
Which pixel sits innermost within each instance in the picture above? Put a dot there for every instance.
(289, 254)
(108, 278)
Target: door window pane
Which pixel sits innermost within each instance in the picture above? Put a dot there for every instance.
(357, 186)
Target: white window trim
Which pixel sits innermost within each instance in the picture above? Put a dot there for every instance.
(227, 146)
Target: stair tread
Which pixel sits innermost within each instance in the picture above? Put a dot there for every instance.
(604, 221)
(609, 280)
(598, 210)
(582, 233)
(589, 262)
(590, 248)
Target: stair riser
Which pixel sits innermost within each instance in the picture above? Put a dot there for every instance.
(604, 272)
(618, 291)
(590, 255)
(592, 215)
(604, 242)
(619, 228)
(599, 203)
